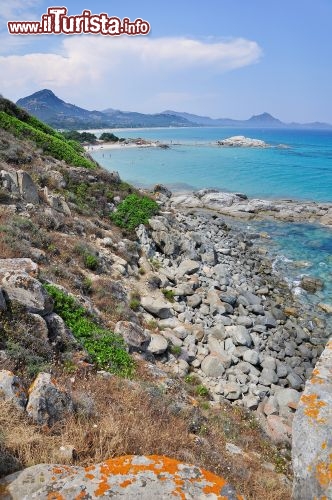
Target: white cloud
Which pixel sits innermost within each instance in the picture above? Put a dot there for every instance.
(13, 10)
(126, 72)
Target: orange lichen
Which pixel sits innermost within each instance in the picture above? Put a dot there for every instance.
(54, 495)
(57, 470)
(316, 377)
(126, 483)
(81, 496)
(324, 474)
(313, 407)
(102, 488)
(324, 445)
(161, 467)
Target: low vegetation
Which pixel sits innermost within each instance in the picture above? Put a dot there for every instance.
(117, 417)
(106, 349)
(109, 137)
(132, 411)
(22, 125)
(134, 210)
(80, 137)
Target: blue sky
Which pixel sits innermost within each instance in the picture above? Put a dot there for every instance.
(222, 58)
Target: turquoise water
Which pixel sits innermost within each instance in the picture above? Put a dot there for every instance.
(298, 250)
(302, 170)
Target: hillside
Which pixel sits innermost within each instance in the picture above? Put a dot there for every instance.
(46, 106)
(128, 327)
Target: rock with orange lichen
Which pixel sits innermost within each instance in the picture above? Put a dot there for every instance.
(143, 477)
(12, 389)
(312, 434)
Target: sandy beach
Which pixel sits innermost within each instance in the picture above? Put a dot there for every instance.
(119, 145)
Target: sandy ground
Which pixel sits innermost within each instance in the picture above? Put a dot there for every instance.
(97, 147)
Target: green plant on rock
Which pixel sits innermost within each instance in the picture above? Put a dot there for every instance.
(168, 294)
(175, 350)
(202, 391)
(133, 211)
(107, 349)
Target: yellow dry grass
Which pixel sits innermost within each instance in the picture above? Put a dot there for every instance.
(126, 418)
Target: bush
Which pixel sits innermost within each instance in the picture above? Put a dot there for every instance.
(134, 210)
(91, 261)
(52, 143)
(74, 135)
(108, 137)
(107, 350)
(168, 294)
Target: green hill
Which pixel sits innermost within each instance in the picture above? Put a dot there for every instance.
(24, 126)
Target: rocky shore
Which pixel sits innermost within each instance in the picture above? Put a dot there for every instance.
(232, 321)
(240, 206)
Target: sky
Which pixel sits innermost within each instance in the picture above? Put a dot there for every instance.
(218, 58)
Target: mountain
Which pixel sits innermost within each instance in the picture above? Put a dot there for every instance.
(52, 110)
(264, 120)
(46, 106)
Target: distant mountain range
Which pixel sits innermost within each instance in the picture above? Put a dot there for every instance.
(46, 106)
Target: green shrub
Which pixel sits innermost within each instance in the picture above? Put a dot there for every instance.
(134, 210)
(108, 137)
(107, 349)
(91, 261)
(74, 135)
(192, 379)
(202, 391)
(175, 350)
(168, 294)
(52, 143)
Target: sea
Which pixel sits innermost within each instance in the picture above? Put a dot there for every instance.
(297, 166)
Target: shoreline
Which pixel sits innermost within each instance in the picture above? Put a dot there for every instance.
(240, 206)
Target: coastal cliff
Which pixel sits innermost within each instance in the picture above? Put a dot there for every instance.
(174, 337)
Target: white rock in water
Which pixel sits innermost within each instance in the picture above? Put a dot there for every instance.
(240, 141)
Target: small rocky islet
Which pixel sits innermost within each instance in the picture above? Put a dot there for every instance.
(210, 308)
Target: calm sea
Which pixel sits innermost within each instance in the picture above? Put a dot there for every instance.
(298, 166)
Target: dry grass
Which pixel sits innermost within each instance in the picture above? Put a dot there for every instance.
(118, 417)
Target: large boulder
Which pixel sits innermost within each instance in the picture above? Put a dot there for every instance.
(239, 334)
(157, 307)
(311, 284)
(312, 434)
(187, 266)
(144, 477)
(21, 265)
(27, 187)
(12, 389)
(58, 334)
(158, 344)
(48, 403)
(27, 291)
(134, 336)
(214, 365)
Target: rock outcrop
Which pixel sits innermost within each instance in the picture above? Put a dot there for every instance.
(48, 403)
(145, 477)
(312, 434)
(239, 141)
